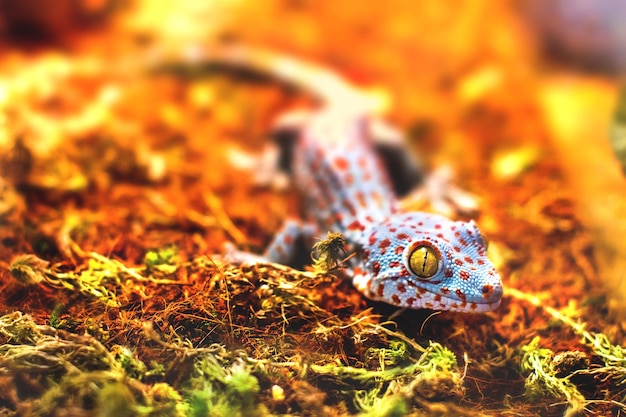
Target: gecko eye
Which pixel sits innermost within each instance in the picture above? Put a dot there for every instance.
(424, 261)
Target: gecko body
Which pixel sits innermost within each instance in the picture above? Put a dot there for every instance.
(407, 259)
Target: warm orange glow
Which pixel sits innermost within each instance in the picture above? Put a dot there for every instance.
(130, 161)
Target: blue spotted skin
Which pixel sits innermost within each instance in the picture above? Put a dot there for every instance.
(346, 190)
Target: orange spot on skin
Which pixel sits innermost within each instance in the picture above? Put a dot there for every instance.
(464, 275)
(356, 225)
(383, 245)
(458, 262)
(372, 240)
(378, 199)
(380, 290)
(341, 163)
(410, 301)
(448, 273)
(361, 199)
(395, 299)
(401, 288)
(349, 179)
(346, 204)
(399, 250)
(402, 236)
(437, 298)
(376, 268)
(394, 264)
(460, 294)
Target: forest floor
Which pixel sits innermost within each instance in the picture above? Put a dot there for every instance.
(121, 185)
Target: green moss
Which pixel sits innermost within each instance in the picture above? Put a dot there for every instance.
(542, 380)
(393, 406)
(217, 390)
(162, 257)
(432, 376)
(115, 400)
(385, 357)
(127, 360)
(55, 315)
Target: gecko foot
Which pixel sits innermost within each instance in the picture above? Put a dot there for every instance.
(445, 197)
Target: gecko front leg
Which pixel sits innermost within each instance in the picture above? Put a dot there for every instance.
(284, 246)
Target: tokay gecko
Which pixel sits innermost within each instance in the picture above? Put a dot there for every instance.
(407, 259)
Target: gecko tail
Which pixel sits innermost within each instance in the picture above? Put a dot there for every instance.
(323, 84)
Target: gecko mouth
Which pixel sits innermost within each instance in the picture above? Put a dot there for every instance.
(484, 307)
(465, 306)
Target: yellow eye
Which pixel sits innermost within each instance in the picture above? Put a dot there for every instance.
(424, 261)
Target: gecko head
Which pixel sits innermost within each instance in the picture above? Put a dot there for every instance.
(420, 260)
